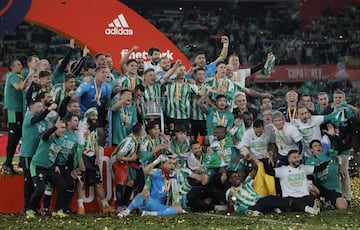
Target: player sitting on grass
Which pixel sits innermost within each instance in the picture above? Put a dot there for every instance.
(164, 187)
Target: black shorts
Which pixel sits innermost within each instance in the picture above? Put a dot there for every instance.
(172, 123)
(330, 195)
(66, 174)
(92, 175)
(198, 127)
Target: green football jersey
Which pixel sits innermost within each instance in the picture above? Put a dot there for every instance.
(328, 178)
(180, 151)
(13, 98)
(244, 196)
(196, 113)
(147, 147)
(214, 118)
(68, 148)
(179, 99)
(122, 121)
(31, 138)
(46, 153)
(126, 147)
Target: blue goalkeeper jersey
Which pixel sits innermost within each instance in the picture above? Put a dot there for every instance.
(158, 187)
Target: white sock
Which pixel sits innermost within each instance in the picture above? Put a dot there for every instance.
(80, 203)
(150, 213)
(308, 209)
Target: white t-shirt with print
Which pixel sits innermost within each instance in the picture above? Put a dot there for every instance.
(293, 181)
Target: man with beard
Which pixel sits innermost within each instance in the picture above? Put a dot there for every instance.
(294, 183)
(165, 66)
(47, 101)
(257, 140)
(154, 58)
(89, 162)
(306, 101)
(33, 126)
(70, 105)
(265, 104)
(155, 199)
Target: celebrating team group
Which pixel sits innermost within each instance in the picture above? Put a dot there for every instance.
(181, 139)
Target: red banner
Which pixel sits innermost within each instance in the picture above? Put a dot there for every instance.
(300, 73)
(104, 26)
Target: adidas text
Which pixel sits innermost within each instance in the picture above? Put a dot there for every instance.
(118, 31)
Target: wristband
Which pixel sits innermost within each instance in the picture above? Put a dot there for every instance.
(225, 45)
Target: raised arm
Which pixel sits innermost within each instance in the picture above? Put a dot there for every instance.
(225, 49)
(78, 66)
(124, 59)
(148, 169)
(254, 93)
(202, 103)
(171, 71)
(67, 56)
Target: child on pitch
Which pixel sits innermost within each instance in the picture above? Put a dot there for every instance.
(155, 199)
(179, 146)
(89, 162)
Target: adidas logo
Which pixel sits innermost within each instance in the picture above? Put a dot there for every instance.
(119, 26)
